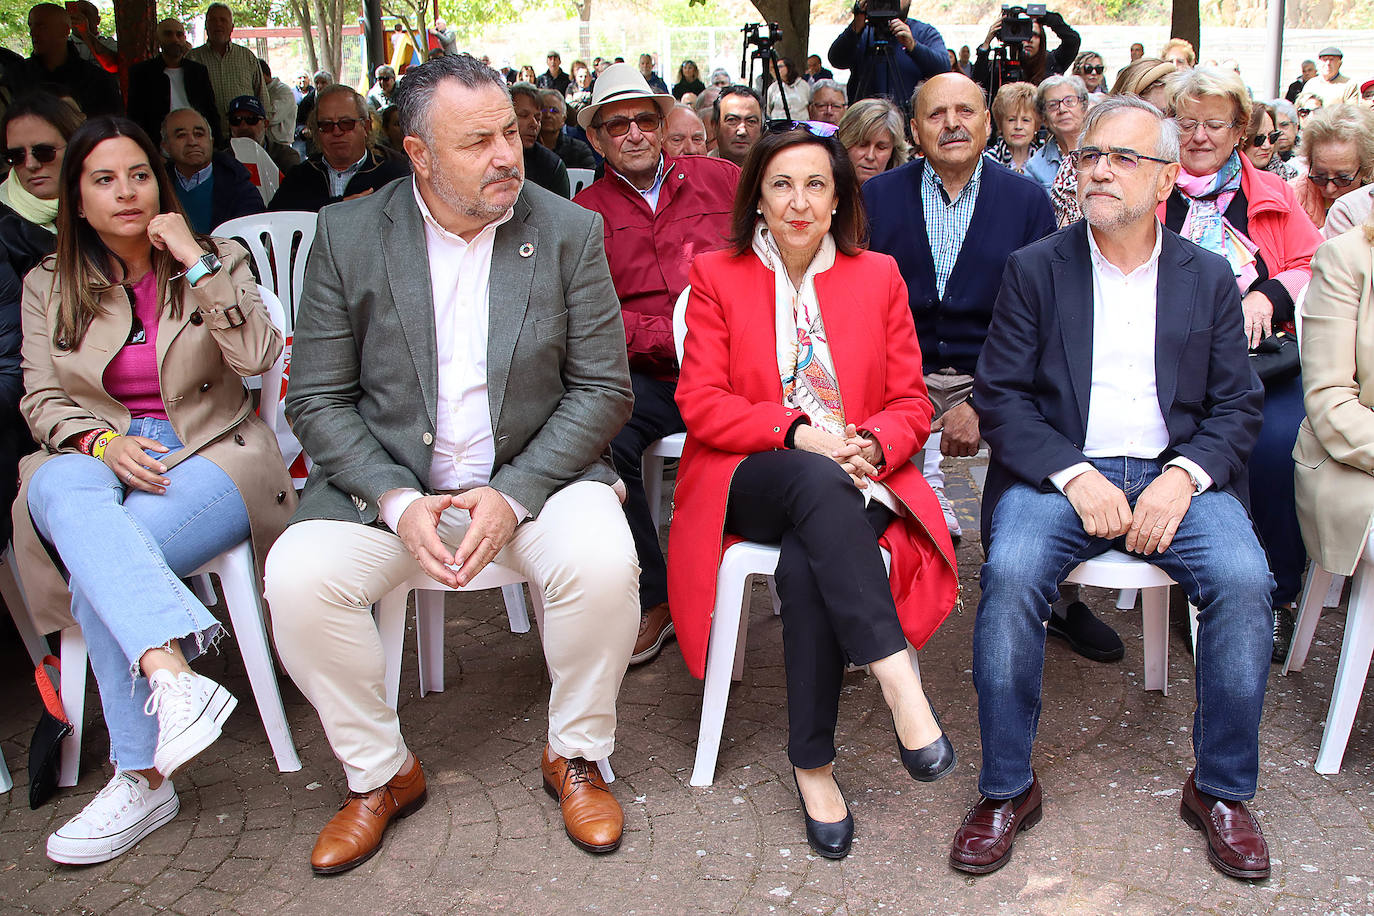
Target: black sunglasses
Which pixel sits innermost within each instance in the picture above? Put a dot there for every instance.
(1304, 112)
(43, 152)
(1268, 139)
(1340, 181)
(646, 121)
(1094, 69)
(341, 126)
(251, 120)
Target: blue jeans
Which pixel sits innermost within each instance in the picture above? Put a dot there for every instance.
(1273, 502)
(1037, 538)
(124, 553)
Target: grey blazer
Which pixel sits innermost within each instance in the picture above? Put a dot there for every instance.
(363, 395)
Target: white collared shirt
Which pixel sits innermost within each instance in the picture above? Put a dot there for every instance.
(1124, 417)
(459, 283)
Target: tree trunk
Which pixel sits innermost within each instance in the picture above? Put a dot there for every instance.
(301, 10)
(1187, 24)
(584, 30)
(794, 17)
(329, 18)
(135, 25)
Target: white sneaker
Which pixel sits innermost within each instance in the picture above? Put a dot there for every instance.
(190, 710)
(124, 812)
(951, 518)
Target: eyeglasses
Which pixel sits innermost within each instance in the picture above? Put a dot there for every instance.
(341, 126)
(250, 120)
(829, 106)
(1341, 181)
(1212, 126)
(646, 121)
(1118, 160)
(820, 129)
(43, 152)
(1268, 139)
(1092, 69)
(1069, 103)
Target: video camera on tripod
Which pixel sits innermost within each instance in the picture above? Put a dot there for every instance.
(880, 21)
(764, 45)
(1017, 27)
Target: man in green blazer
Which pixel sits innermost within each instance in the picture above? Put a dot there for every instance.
(457, 387)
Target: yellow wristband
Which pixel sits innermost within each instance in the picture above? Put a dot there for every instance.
(102, 441)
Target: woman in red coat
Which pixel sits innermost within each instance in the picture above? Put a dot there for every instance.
(802, 393)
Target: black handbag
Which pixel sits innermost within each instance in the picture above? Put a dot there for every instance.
(45, 750)
(1275, 358)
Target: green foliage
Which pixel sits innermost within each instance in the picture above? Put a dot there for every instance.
(14, 29)
(468, 17)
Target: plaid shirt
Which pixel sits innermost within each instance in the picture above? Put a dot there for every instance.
(236, 73)
(947, 221)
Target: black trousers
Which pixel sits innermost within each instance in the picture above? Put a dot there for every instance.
(836, 602)
(655, 416)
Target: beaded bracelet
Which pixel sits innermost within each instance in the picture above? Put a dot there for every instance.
(101, 443)
(83, 445)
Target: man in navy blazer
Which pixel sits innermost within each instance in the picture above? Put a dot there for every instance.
(1116, 393)
(951, 220)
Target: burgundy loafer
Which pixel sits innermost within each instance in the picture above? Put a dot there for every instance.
(1235, 845)
(983, 841)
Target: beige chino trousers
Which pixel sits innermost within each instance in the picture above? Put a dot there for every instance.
(323, 576)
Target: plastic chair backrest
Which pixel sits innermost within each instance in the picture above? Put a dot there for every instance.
(580, 178)
(270, 407)
(279, 243)
(259, 164)
(680, 322)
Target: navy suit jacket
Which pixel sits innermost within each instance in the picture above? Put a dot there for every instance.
(1034, 377)
(1011, 212)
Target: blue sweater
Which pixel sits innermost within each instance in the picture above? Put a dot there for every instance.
(1011, 212)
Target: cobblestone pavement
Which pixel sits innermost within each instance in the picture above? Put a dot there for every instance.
(1111, 756)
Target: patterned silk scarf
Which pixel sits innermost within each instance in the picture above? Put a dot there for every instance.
(1208, 197)
(804, 362)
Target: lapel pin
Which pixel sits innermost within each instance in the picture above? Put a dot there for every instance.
(526, 250)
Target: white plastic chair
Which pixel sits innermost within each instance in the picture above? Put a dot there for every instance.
(651, 463)
(240, 587)
(1356, 650)
(725, 649)
(279, 243)
(429, 626)
(266, 174)
(1115, 569)
(580, 178)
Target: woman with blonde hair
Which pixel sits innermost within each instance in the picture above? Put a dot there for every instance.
(1148, 79)
(871, 133)
(1224, 204)
(1338, 146)
(1013, 113)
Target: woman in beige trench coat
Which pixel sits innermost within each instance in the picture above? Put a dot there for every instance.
(137, 334)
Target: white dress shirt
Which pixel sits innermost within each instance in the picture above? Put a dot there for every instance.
(176, 79)
(459, 282)
(1124, 417)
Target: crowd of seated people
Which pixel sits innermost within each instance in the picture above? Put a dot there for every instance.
(1164, 211)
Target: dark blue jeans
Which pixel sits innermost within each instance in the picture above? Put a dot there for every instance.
(1273, 502)
(1037, 538)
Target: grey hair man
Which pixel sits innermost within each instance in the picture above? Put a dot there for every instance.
(1097, 444)
(234, 69)
(439, 454)
(383, 91)
(828, 102)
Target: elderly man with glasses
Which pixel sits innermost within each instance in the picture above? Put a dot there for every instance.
(1118, 398)
(383, 91)
(346, 165)
(660, 212)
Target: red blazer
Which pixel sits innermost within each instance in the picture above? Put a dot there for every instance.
(731, 401)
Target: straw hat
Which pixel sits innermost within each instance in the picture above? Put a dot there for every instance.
(618, 83)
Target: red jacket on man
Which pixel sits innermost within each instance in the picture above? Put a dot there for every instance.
(650, 253)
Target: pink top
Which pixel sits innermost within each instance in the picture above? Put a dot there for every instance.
(131, 377)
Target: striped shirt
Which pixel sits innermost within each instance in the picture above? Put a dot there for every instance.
(947, 221)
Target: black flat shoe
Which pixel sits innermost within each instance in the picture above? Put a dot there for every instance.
(1087, 635)
(830, 840)
(929, 763)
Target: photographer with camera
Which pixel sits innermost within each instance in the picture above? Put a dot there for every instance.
(1020, 33)
(886, 53)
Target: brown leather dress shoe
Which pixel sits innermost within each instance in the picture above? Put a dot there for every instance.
(355, 834)
(1235, 845)
(591, 815)
(655, 626)
(983, 841)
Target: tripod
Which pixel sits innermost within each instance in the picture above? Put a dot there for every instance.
(880, 60)
(768, 54)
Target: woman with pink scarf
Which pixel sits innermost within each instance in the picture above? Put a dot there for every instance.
(1250, 217)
